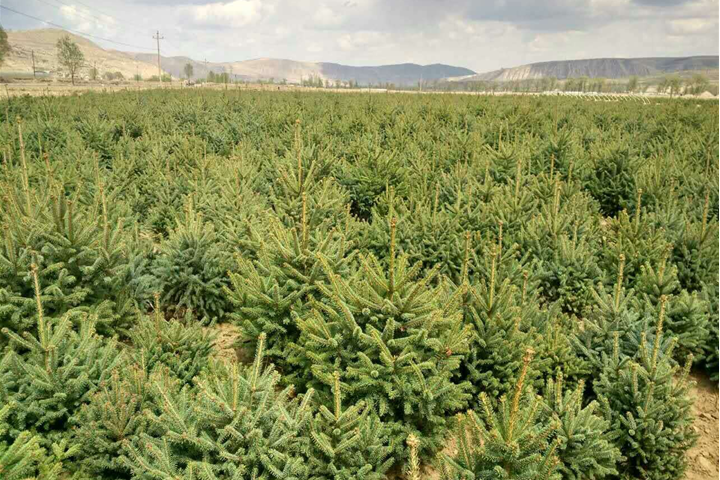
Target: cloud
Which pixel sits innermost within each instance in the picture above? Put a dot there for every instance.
(326, 17)
(479, 34)
(662, 3)
(362, 40)
(550, 42)
(233, 14)
(690, 26)
(85, 21)
(314, 47)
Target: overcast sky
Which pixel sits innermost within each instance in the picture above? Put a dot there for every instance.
(478, 34)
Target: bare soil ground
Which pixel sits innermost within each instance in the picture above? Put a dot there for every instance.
(703, 458)
(225, 346)
(55, 89)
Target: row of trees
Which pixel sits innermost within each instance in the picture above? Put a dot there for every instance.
(71, 58)
(95, 75)
(317, 82)
(672, 84)
(312, 81)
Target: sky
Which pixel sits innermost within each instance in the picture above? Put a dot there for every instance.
(481, 35)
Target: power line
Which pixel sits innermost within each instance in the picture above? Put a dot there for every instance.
(91, 16)
(106, 14)
(96, 18)
(74, 31)
(87, 15)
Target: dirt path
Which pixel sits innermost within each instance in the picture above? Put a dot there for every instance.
(703, 458)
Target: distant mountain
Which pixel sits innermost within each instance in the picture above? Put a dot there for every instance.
(249, 70)
(42, 43)
(597, 68)
(293, 71)
(402, 74)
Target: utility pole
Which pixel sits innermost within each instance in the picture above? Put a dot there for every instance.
(33, 60)
(207, 73)
(96, 74)
(158, 38)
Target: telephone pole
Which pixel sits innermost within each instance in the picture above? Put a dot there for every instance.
(158, 38)
(33, 60)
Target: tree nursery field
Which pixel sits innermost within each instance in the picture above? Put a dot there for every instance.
(497, 288)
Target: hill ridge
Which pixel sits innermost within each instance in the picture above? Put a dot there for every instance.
(605, 67)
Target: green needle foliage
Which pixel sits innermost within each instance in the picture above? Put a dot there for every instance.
(113, 416)
(191, 270)
(711, 295)
(184, 347)
(349, 443)
(285, 275)
(612, 314)
(260, 219)
(612, 177)
(508, 443)
(645, 398)
(236, 422)
(18, 460)
(635, 237)
(492, 308)
(51, 374)
(695, 245)
(395, 349)
(79, 252)
(585, 447)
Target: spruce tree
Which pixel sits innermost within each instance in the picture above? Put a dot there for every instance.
(191, 270)
(273, 288)
(634, 236)
(235, 422)
(508, 443)
(613, 312)
(695, 244)
(114, 415)
(79, 252)
(654, 281)
(348, 443)
(20, 458)
(50, 374)
(645, 398)
(300, 183)
(183, 346)
(585, 448)
(494, 308)
(556, 351)
(710, 294)
(686, 314)
(499, 338)
(611, 180)
(395, 348)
